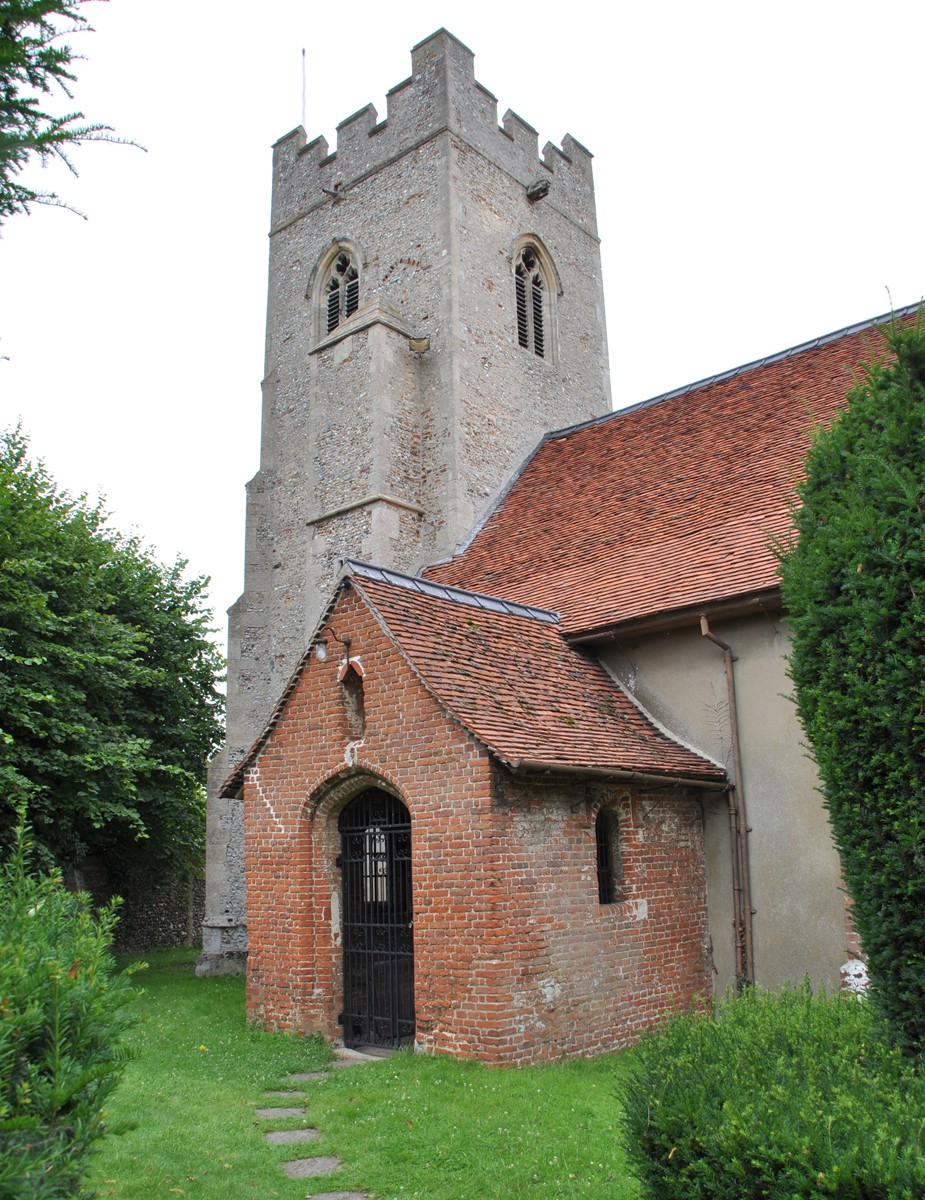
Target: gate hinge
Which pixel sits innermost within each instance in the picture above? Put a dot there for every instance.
(339, 861)
(340, 1018)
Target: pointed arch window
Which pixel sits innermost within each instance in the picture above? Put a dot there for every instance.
(341, 293)
(531, 293)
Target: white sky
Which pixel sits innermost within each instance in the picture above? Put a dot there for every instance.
(759, 175)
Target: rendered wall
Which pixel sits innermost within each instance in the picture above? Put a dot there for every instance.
(515, 959)
(799, 923)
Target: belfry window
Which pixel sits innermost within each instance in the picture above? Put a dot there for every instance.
(531, 295)
(341, 291)
(609, 864)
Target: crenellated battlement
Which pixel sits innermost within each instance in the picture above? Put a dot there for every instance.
(441, 94)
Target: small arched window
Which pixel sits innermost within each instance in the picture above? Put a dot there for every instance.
(609, 864)
(354, 702)
(341, 291)
(531, 294)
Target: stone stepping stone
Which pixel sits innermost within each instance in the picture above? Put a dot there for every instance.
(280, 1137)
(274, 1113)
(283, 1095)
(306, 1077)
(339, 1195)
(305, 1168)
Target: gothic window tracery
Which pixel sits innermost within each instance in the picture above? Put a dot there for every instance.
(531, 293)
(341, 293)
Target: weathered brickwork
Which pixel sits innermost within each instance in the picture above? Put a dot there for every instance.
(515, 959)
(590, 977)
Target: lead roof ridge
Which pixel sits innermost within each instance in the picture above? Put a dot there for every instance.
(443, 591)
(780, 356)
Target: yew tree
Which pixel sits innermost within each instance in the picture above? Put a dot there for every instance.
(854, 585)
(36, 63)
(108, 699)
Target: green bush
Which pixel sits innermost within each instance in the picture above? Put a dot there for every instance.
(62, 1011)
(778, 1097)
(853, 584)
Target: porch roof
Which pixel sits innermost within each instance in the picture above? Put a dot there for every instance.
(509, 676)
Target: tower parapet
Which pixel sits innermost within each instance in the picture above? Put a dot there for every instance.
(442, 94)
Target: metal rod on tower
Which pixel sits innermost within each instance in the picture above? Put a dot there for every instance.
(303, 87)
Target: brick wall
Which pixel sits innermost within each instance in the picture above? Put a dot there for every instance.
(587, 977)
(515, 960)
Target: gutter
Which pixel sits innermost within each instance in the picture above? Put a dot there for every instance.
(681, 618)
(522, 765)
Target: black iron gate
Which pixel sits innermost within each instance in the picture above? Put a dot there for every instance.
(375, 832)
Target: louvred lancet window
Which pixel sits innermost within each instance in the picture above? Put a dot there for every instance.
(341, 291)
(530, 292)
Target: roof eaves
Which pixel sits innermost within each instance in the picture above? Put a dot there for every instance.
(716, 778)
(747, 604)
(668, 779)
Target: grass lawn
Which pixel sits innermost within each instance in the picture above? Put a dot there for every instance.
(407, 1125)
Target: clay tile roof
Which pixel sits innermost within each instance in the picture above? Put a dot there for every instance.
(506, 673)
(670, 505)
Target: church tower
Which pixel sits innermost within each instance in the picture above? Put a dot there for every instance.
(435, 305)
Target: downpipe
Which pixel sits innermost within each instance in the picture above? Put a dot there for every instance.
(738, 827)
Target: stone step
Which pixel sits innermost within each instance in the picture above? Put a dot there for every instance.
(282, 1137)
(339, 1196)
(305, 1168)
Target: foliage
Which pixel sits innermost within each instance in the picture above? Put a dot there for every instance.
(62, 1014)
(34, 63)
(779, 1097)
(854, 585)
(403, 1126)
(108, 707)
